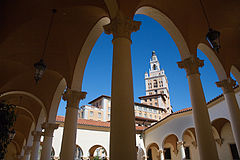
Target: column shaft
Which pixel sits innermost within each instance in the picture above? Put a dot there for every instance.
(161, 154)
(205, 140)
(47, 142)
(122, 136)
(235, 117)
(70, 124)
(227, 87)
(181, 150)
(36, 144)
(46, 148)
(122, 132)
(69, 134)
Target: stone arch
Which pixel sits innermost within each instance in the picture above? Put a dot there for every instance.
(78, 153)
(27, 94)
(221, 73)
(26, 112)
(96, 31)
(17, 147)
(56, 100)
(152, 151)
(191, 133)
(235, 73)
(171, 139)
(93, 149)
(171, 28)
(218, 125)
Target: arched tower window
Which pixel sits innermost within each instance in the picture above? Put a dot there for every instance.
(154, 67)
(155, 84)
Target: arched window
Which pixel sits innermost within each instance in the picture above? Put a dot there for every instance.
(78, 153)
(154, 67)
(155, 84)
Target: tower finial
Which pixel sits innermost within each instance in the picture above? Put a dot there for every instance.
(153, 53)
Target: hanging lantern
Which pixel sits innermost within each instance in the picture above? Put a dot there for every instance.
(213, 38)
(40, 68)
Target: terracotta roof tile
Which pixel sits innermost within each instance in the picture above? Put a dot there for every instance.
(87, 122)
(146, 119)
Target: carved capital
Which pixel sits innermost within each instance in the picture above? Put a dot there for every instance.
(226, 85)
(37, 135)
(191, 65)
(27, 149)
(161, 151)
(122, 26)
(49, 128)
(175, 151)
(180, 143)
(73, 97)
(219, 141)
(194, 143)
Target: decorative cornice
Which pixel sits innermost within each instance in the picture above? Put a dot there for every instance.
(73, 97)
(37, 135)
(49, 128)
(122, 26)
(191, 65)
(227, 85)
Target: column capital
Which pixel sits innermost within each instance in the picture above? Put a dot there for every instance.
(49, 128)
(122, 26)
(226, 85)
(27, 149)
(179, 143)
(36, 135)
(73, 97)
(191, 65)
(161, 151)
(194, 143)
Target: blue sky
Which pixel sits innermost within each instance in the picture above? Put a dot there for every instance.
(151, 36)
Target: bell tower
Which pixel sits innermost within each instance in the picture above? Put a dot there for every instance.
(157, 92)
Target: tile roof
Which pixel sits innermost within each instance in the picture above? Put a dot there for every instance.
(189, 108)
(102, 96)
(87, 122)
(154, 107)
(145, 119)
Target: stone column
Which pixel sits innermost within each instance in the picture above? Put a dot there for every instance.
(181, 150)
(122, 131)
(205, 140)
(227, 87)
(36, 143)
(161, 154)
(27, 151)
(70, 125)
(47, 142)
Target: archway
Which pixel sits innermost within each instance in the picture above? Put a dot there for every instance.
(152, 152)
(97, 152)
(78, 153)
(169, 26)
(170, 146)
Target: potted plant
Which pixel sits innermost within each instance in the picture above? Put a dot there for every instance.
(7, 133)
